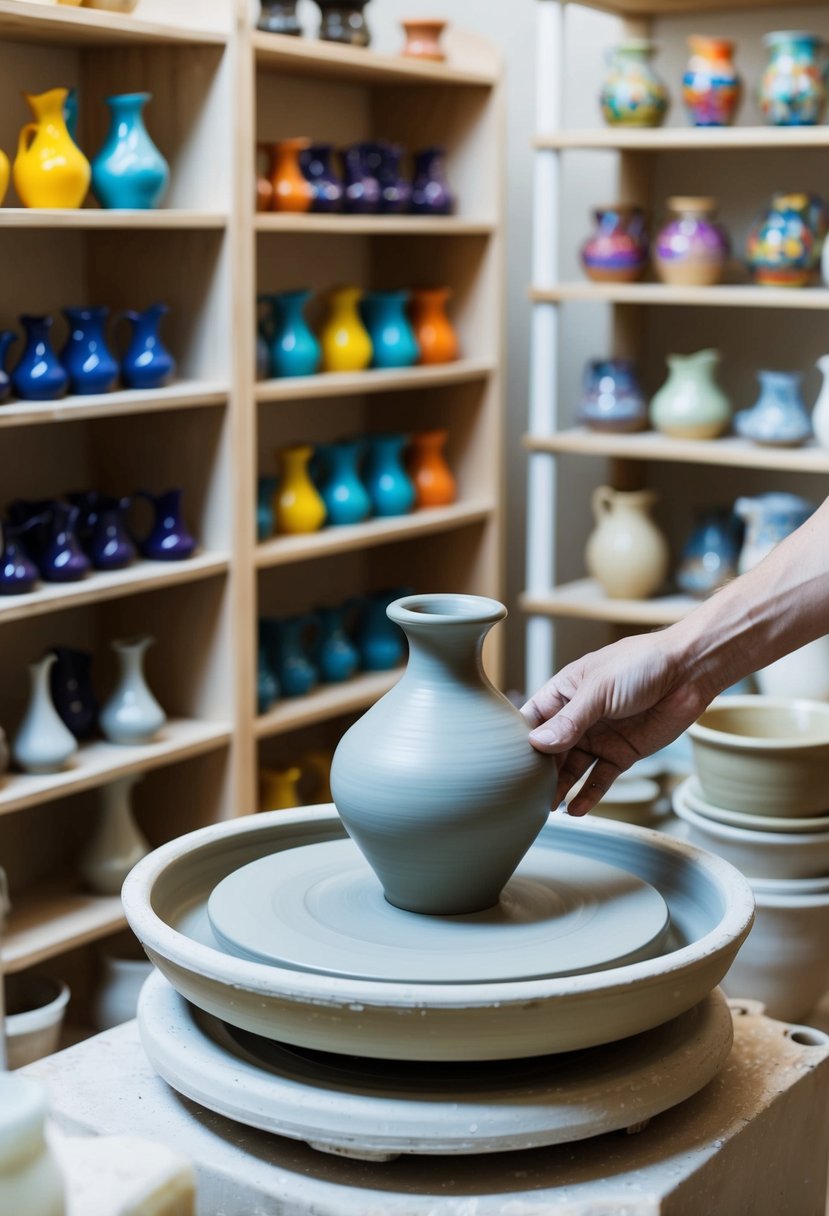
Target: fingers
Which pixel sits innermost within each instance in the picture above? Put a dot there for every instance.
(575, 765)
(595, 787)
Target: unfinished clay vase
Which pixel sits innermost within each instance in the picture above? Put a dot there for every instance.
(626, 552)
(437, 783)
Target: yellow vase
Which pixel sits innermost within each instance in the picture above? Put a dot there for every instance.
(49, 169)
(297, 506)
(279, 789)
(346, 345)
(5, 174)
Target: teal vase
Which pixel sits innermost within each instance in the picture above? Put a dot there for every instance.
(389, 487)
(336, 655)
(294, 350)
(265, 490)
(129, 171)
(381, 644)
(392, 337)
(346, 498)
(287, 645)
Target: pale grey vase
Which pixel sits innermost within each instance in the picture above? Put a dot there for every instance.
(43, 743)
(117, 843)
(132, 715)
(437, 783)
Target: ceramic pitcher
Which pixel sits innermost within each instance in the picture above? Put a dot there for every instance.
(430, 474)
(361, 189)
(86, 358)
(820, 414)
(169, 539)
(346, 345)
(132, 715)
(434, 333)
(711, 87)
(147, 363)
(395, 189)
(792, 89)
(317, 164)
(627, 553)
(38, 374)
(43, 743)
(691, 248)
(110, 546)
(116, 843)
(779, 417)
(129, 171)
(279, 788)
(18, 573)
(291, 189)
(49, 169)
(298, 506)
(61, 558)
(690, 404)
(633, 95)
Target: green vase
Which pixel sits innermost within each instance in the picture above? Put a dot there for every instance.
(690, 404)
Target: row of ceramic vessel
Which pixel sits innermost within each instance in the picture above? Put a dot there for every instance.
(305, 782)
(63, 541)
(298, 175)
(691, 249)
(85, 365)
(791, 91)
(326, 646)
(692, 405)
(344, 21)
(378, 329)
(50, 170)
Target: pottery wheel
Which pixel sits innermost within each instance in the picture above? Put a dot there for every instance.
(321, 908)
(377, 1109)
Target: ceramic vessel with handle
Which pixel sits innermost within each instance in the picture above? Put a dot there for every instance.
(626, 552)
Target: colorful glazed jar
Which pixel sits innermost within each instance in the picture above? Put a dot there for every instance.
(633, 94)
(626, 552)
(779, 418)
(784, 248)
(612, 399)
(690, 404)
(346, 345)
(434, 333)
(793, 89)
(129, 171)
(346, 498)
(49, 169)
(617, 252)
(691, 249)
(291, 189)
(711, 87)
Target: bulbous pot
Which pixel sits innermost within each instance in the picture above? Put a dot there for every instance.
(792, 88)
(711, 87)
(784, 248)
(779, 417)
(612, 399)
(344, 21)
(690, 404)
(437, 783)
(49, 169)
(129, 171)
(279, 17)
(632, 93)
(617, 251)
(691, 248)
(626, 552)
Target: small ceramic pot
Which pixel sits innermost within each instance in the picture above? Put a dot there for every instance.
(779, 418)
(423, 40)
(279, 17)
(711, 87)
(784, 248)
(710, 556)
(632, 94)
(291, 189)
(690, 404)
(793, 89)
(612, 399)
(35, 1009)
(617, 251)
(691, 248)
(316, 163)
(344, 21)
(769, 518)
(626, 552)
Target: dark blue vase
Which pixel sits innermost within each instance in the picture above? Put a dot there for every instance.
(62, 560)
(32, 518)
(147, 364)
(430, 189)
(110, 546)
(7, 336)
(380, 643)
(38, 375)
(18, 573)
(711, 554)
(336, 654)
(383, 161)
(87, 502)
(91, 366)
(294, 349)
(346, 498)
(389, 487)
(168, 539)
(612, 399)
(315, 163)
(392, 337)
(72, 691)
(362, 189)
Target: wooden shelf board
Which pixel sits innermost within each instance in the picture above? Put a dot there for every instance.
(110, 585)
(585, 600)
(312, 57)
(187, 394)
(23, 21)
(730, 452)
(99, 762)
(726, 296)
(685, 139)
(326, 702)
(677, 8)
(98, 218)
(428, 522)
(353, 384)
(52, 919)
(372, 225)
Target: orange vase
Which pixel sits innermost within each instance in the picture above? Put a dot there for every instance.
(436, 338)
(427, 467)
(291, 190)
(264, 177)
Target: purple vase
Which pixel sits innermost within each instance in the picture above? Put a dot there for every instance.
(383, 160)
(109, 545)
(72, 692)
(430, 189)
(168, 539)
(18, 573)
(691, 248)
(362, 190)
(617, 251)
(7, 336)
(62, 560)
(316, 165)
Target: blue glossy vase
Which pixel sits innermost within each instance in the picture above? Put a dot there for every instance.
(389, 487)
(168, 539)
(70, 114)
(147, 363)
(39, 374)
(336, 654)
(381, 643)
(383, 161)
(110, 546)
(294, 350)
(129, 171)
(73, 695)
(612, 399)
(710, 555)
(316, 165)
(265, 490)
(288, 643)
(392, 337)
(88, 361)
(61, 559)
(779, 418)
(18, 573)
(431, 194)
(346, 498)
(7, 336)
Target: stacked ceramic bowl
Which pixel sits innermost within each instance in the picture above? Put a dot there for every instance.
(760, 799)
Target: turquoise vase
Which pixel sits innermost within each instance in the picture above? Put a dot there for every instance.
(267, 685)
(293, 348)
(389, 487)
(288, 643)
(265, 490)
(129, 171)
(392, 337)
(346, 498)
(336, 655)
(381, 644)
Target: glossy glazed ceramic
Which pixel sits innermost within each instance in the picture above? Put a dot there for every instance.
(18, 573)
(361, 189)
(43, 743)
(783, 248)
(691, 248)
(346, 345)
(129, 171)
(279, 788)
(60, 558)
(431, 192)
(380, 642)
(711, 553)
(392, 337)
(793, 88)
(612, 399)
(298, 505)
(132, 715)
(316, 163)
(116, 843)
(279, 17)
(626, 552)
(110, 546)
(289, 643)
(38, 374)
(690, 404)
(336, 655)
(779, 417)
(86, 358)
(147, 363)
(389, 487)
(291, 189)
(73, 695)
(49, 169)
(384, 163)
(346, 499)
(434, 333)
(293, 348)
(426, 465)
(712, 88)
(168, 539)
(423, 40)
(344, 21)
(632, 93)
(617, 250)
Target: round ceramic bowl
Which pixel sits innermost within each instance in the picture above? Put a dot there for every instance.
(35, 1008)
(757, 854)
(764, 755)
(710, 905)
(691, 792)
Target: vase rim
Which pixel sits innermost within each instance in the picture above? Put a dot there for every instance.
(132, 642)
(791, 36)
(129, 99)
(725, 46)
(446, 608)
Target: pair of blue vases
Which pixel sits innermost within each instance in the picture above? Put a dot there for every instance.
(86, 365)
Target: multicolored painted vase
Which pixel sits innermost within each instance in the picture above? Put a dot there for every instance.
(291, 189)
(612, 399)
(779, 418)
(711, 87)
(632, 93)
(793, 88)
(617, 252)
(691, 249)
(784, 248)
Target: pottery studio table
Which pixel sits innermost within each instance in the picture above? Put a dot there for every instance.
(755, 1142)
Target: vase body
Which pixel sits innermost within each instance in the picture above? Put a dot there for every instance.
(626, 552)
(434, 333)
(5, 175)
(86, 358)
(430, 474)
(820, 413)
(298, 505)
(431, 193)
(784, 248)
(31, 1180)
(61, 558)
(110, 546)
(709, 558)
(279, 17)
(690, 404)
(393, 341)
(18, 573)
(383, 162)
(43, 743)
(316, 162)
(168, 539)
(291, 189)
(632, 93)
(336, 654)
(346, 345)
(129, 171)
(344, 21)
(612, 399)
(423, 40)
(380, 642)
(132, 715)
(49, 169)
(7, 336)
(691, 248)
(265, 491)
(115, 1000)
(70, 683)
(147, 363)
(38, 374)
(779, 418)
(769, 518)
(361, 189)
(279, 788)
(617, 250)
(711, 87)
(388, 485)
(343, 493)
(437, 783)
(289, 644)
(792, 89)
(293, 349)
(116, 843)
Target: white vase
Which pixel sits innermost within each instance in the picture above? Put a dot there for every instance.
(626, 552)
(132, 715)
(116, 998)
(820, 414)
(31, 1181)
(43, 743)
(116, 844)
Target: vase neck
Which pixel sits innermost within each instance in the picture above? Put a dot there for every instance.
(446, 635)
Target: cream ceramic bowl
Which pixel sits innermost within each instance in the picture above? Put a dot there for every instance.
(35, 1008)
(691, 793)
(764, 755)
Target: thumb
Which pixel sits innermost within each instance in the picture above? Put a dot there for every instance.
(564, 729)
